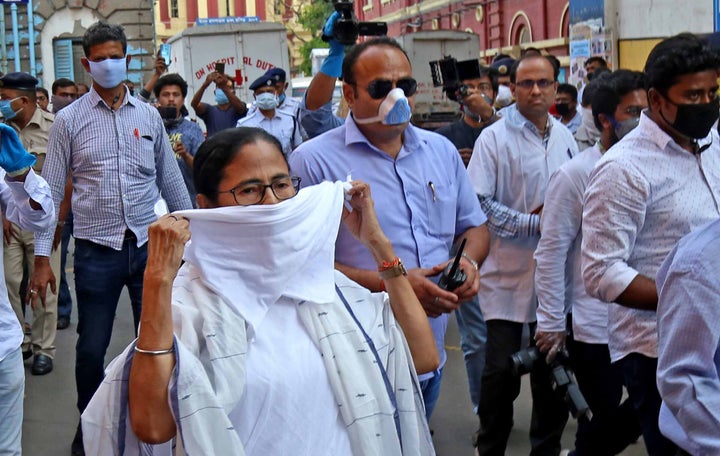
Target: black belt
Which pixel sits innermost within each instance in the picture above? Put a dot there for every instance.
(129, 235)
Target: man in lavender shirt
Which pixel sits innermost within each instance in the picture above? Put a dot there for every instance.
(423, 196)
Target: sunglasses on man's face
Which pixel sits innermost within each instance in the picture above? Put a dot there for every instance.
(379, 88)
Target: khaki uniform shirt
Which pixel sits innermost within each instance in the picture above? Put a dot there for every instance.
(34, 136)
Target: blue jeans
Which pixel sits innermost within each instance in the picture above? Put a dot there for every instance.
(100, 275)
(473, 337)
(12, 390)
(64, 297)
(431, 392)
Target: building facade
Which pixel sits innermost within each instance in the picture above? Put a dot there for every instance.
(174, 16)
(57, 30)
(504, 26)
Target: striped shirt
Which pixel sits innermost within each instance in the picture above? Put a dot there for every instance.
(121, 163)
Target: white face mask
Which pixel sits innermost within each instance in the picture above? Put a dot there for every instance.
(504, 96)
(109, 73)
(266, 101)
(394, 110)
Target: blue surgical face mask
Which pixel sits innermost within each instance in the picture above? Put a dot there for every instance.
(624, 127)
(109, 73)
(281, 98)
(266, 101)
(394, 110)
(220, 97)
(7, 110)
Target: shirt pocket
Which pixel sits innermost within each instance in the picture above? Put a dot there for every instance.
(441, 203)
(39, 153)
(146, 155)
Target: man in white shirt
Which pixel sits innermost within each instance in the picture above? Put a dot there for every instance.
(25, 199)
(617, 103)
(509, 168)
(656, 185)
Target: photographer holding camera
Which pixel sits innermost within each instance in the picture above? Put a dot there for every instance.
(617, 103)
(316, 116)
(341, 29)
(475, 95)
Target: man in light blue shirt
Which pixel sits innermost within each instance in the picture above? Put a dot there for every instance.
(423, 197)
(688, 314)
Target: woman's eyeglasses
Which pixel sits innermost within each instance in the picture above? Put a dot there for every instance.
(379, 88)
(249, 194)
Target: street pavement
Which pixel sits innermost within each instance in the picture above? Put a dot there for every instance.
(51, 415)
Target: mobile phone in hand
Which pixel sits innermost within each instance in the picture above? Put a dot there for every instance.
(164, 52)
(220, 67)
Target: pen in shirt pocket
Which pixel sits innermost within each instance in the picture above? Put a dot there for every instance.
(432, 189)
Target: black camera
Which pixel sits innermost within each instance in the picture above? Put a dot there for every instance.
(453, 276)
(448, 73)
(561, 375)
(347, 28)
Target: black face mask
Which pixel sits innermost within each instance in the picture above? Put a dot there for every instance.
(562, 108)
(169, 116)
(694, 120)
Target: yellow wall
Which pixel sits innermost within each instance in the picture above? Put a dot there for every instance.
(179, 24)
(634, 53)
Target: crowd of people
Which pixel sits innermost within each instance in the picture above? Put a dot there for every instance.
(309, 301)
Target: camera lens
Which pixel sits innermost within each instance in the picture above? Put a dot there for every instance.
(524, 360)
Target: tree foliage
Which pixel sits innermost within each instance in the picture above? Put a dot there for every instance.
(312, 17)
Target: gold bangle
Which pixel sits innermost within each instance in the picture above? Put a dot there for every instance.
(154, 352)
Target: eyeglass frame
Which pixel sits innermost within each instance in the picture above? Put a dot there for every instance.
(372, 89)
(542, 84)
(295, 184)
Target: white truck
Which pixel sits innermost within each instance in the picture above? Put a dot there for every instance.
(432, 108)
(248, 50)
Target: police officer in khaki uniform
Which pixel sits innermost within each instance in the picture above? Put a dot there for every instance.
(18, 106)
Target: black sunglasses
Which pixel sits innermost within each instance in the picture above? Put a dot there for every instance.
(379, 88)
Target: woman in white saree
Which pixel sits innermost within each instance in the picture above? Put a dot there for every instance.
(257, 345)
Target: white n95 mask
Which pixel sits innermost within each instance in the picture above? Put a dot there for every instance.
(394, 110)
(504, 96)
